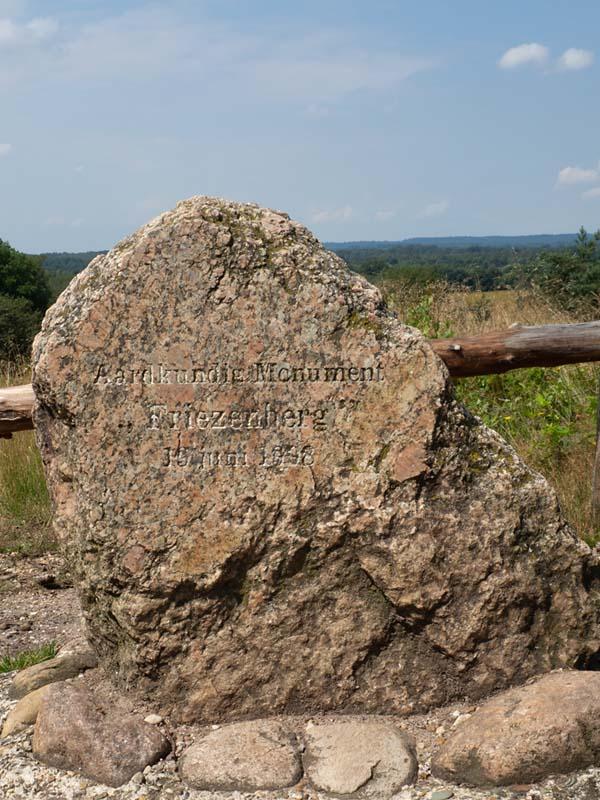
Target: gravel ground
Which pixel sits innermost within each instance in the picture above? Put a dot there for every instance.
(37, 603)
(40, 607)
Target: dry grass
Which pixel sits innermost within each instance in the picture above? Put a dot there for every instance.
(25, 511)
(548, 415)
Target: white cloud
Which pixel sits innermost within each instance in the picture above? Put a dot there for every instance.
(591, 193)
(573, 175)
(5, 149)
(335, 215)
(55, 220)
(382, 216)
(573, 59)
(532, 53)
(8, 31)
(316, 110)
(42, 28)
(314, 70)
(435, 209)
(36, 30)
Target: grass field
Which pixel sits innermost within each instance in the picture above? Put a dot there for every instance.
(548, 415)
(25, 511)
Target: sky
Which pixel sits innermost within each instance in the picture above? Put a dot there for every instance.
(364, 120)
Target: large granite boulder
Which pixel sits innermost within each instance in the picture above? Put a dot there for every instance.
(268, 496)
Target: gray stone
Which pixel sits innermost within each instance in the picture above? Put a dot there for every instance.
(524, 735)
(78, 731)
(243, 756)
(61, 668)
(269, 498)
(362, 758)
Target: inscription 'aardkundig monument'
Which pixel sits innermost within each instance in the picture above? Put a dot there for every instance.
(268, 496)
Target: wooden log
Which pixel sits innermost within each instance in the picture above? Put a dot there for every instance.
(16, 406)
(520, 346)
(486, 354)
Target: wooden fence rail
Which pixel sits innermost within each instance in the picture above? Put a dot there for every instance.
(16, 406)
(499, 351)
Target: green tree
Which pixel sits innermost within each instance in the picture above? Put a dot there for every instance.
(24, 296)
(23, 276)
(19, 323)
(567, 276)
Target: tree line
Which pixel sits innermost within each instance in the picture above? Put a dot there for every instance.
(567, 273)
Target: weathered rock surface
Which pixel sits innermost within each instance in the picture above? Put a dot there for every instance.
(524, 735)
(359, 757)
(243, 756)
(268, 497)
(75, 730)
(54, 670)
(24, 713)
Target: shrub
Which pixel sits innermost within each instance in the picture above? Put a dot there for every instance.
(19, 323)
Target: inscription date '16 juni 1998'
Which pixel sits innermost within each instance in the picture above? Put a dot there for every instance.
(194, 417)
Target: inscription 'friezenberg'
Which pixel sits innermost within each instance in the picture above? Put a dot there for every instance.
(189, 417)
(224, 373)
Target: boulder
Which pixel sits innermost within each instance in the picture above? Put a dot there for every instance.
(243, 757)
(524, 735)
(54, 670)
(358, 757)
(77, 731)
(269, 498)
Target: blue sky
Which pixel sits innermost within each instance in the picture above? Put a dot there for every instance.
(371, 120)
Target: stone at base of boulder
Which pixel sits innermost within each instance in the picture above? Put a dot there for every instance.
(521, 736)
(54, 670)
(244, 756)
(75, 730)
(362, 758)
(24, 713)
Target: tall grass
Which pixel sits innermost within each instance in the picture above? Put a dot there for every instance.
(25, 511)
(548, 415)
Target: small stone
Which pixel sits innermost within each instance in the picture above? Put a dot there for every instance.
(138, 777)
(76, 730)
(24, 713)
(363, 758)
(441, 794)
(243, 756)
(54, 670)
(153, 719)
(521, 736)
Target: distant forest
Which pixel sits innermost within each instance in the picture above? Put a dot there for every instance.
(476, 262)
(485, 263)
